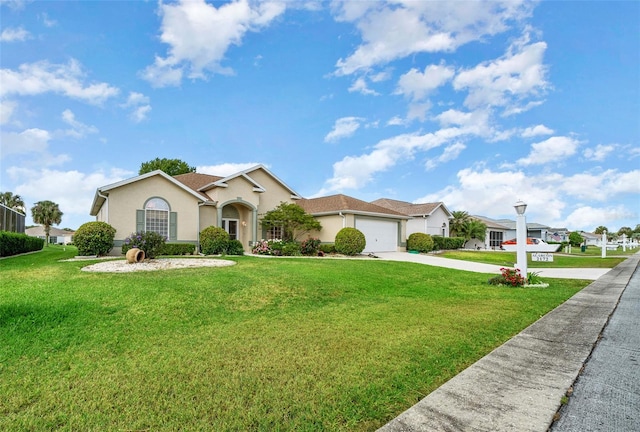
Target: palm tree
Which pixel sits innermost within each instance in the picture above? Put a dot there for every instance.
(46, 213)
(600, 230)
(456, 225)
(12, 201)
(474, 229)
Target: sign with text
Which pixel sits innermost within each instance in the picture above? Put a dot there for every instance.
(539, 256)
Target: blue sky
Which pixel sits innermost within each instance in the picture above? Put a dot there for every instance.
(475, 104)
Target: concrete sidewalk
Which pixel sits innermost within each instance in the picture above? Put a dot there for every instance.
(519, 386)
(433, 260)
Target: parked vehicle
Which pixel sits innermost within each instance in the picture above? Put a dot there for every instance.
(533, 245)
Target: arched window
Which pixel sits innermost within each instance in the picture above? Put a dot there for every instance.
(157, 216)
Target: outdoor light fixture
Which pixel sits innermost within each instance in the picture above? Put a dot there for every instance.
(520, 207)
(521, 238)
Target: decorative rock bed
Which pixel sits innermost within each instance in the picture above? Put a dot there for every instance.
(122, 266)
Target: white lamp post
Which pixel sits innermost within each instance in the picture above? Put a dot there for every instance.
(521, 238)
(604, 244)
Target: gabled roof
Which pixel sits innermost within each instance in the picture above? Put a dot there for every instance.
(223, 181)
(491, 223)
(335, 204)
(99, 197)
(411, 209)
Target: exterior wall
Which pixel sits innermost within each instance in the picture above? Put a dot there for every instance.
(275, 192)
(330, 226)
(431, 225)
(124, 201)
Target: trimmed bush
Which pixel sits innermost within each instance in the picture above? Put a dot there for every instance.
(235, 248)
(16, 243)
(214, 240)
(94, 238)
(447, 243)
(350, 241)
(420, 242)
(150, 242)
(178, 249)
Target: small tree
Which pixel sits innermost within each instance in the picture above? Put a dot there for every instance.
(46, 213)
(575, 239)
(172, 167)
(473, 229)
(600, 230)
(293, 220)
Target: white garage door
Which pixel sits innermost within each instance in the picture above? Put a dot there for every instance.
(381, 236)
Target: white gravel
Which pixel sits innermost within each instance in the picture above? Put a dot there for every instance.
(122, 266)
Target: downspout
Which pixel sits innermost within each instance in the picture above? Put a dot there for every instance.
(198, 233)
(426, 231)
(106, 201)
(344, 220)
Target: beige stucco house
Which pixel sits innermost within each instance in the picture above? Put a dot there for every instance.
(180, 207)
(427, 218)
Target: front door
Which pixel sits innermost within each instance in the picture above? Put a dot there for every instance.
(231, 226)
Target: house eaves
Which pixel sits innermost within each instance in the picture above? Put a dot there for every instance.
(257, 187)
(103, 192)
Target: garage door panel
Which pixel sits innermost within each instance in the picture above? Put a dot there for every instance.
(381, 236)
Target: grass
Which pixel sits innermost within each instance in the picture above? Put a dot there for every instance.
(267, 344)
(573, 260)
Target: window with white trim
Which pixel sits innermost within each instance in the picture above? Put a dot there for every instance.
(157, 216)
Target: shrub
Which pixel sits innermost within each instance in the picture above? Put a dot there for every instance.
(17, 243)
(178, 249)
(420, 242)
(214, 240)
(310, 246)
(291, 249)
(94, 238)
(447, 243)
(276, 247)
(261, 248)
(150, 242)
(327, 248)
(508, 276)
(350, 241)
(235, 248)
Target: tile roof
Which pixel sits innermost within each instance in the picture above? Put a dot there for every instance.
(340, 202)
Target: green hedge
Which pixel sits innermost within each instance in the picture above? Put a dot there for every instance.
(447, 243)
(350, 241)
(16, 243)
(420, 242)
(178, 249)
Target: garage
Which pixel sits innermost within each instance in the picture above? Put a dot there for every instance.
(381, 235)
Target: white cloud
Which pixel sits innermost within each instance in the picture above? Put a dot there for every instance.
(552, 150)
(48, 22)
(587, 218)
(79, 129)
(493, 193)
(519, 74)
(599, 153)
(394, 30)
(140, 106)
(450, 153)
(343, 128)
(226, 169)
(14, 34)
(73, 191)
(29, 141)
(199, 35)
(418, 85)
(6, 110)
(43, 77)
(536, 130)
(360, 86)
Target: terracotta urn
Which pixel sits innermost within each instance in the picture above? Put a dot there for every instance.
(135, 255)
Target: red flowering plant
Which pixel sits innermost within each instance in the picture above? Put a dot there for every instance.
(510, 277)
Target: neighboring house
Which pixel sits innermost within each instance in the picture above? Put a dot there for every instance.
(496, 234)
(428, 218)
(56, 235)
(557, 235)
(11, 220)
(181, 207)
(384, 229)
(534, 230)
(591, 239)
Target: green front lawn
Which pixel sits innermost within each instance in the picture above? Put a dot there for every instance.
(267, 344)
(507, 259)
